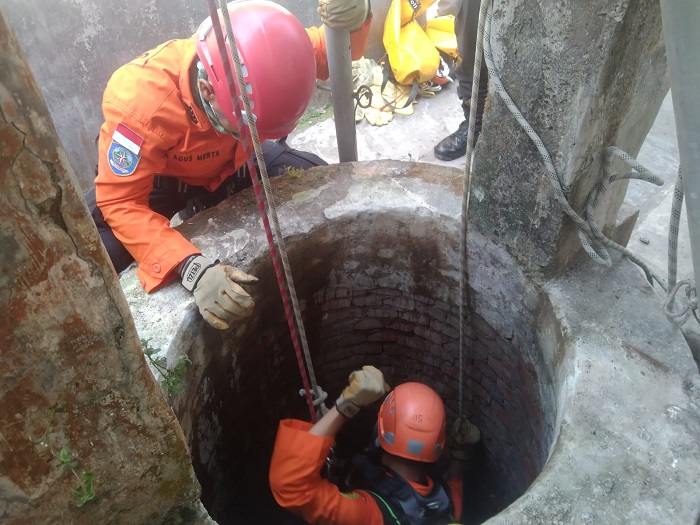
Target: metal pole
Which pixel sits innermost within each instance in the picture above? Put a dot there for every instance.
(681, 22)
(340, 69)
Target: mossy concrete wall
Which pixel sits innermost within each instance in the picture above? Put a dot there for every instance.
(74, 377)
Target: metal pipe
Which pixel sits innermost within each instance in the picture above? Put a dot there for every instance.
(340, 69)
(681, 20)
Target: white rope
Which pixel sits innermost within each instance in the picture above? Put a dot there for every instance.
(592, 239)
(673, 229)
(271, 208)
(465, 296)
(319, 396)
(689, 307)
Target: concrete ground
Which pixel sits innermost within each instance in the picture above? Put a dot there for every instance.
(405, 138)
(413, 137)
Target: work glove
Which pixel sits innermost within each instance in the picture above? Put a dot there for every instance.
(383, 104)
(397, 96)
(379, 113)
(463, 436)
(216, 290)
(364, 388)
(344, 14)
(363, 72)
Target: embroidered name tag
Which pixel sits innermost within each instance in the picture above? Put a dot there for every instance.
(123, 154)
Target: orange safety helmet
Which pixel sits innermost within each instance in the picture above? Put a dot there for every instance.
(412, 423)
(277, 60)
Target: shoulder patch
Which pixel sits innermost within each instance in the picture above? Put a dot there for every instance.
(121, 160)
(127, 138)
(123, 155)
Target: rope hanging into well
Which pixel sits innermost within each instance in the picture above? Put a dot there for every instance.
(465, 296)
(266, 206)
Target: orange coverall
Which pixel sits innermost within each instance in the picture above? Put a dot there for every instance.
(153, 97)
(297, 484)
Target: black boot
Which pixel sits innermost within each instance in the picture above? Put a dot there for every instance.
(454, 145)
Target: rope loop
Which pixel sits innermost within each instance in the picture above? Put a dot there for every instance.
(319, 396)
(690, 305)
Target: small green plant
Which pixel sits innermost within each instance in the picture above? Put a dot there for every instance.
(85, 490)
(172, 378)
(293, 171)
(314, 115)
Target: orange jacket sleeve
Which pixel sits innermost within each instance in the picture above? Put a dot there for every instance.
(358, 45)
(296, 483)
(123, 200)
(456, 487)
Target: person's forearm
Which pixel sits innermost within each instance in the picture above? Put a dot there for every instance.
(330, 424)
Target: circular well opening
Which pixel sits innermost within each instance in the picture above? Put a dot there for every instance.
(379, 289)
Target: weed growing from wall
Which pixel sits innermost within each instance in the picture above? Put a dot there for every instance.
(84, 491)
(172, 378)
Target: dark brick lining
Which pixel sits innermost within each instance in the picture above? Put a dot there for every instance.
(411, 337)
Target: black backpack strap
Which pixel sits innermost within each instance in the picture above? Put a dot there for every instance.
(390, 517)
(398, 501)
(386, 76)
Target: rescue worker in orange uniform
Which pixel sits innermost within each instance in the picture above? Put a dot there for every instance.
(170, 139)
(399, 486)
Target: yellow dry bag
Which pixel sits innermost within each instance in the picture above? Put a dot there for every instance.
(441, 31)
(412, 55)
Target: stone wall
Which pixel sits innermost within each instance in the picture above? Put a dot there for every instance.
(76, 397)
(73, 47)
(586, 75)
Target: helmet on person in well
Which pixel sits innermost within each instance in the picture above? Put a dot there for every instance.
(411, 423)
(277, 60)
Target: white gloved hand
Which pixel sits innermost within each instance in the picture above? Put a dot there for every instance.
(219, 298)
(363, 72)
(344, 14)
(364, 388)
(463, 436)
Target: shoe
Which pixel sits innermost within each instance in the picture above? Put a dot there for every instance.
(453, 146)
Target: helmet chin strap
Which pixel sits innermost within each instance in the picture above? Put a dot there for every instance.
(207, 108)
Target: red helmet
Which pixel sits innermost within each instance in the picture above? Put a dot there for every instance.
(277, 60)
(412, 423)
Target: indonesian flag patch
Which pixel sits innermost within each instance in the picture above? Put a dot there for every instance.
(123, 154)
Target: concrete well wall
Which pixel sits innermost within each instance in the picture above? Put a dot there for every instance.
(576, 400)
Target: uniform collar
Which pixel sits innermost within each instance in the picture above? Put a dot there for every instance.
(188, 79)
